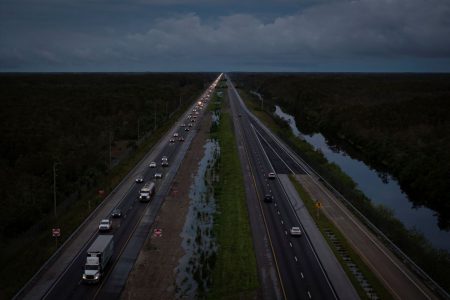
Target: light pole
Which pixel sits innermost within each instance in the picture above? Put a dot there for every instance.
(54, 187)
(138, 129)
(154, 110)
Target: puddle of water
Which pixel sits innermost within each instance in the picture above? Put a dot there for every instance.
(383, 190)
(215, 116)
(193, 274)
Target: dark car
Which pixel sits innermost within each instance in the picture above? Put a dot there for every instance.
(116, 213)
(268, 198)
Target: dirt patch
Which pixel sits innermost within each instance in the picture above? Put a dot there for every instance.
(153, 275)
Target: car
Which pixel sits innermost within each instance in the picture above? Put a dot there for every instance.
(164, 158)
(271, 175)
(186, 129)
(181, 139)
(190, 125)
(296, 231)
(139, 179)
(175, 134)
(268, 198)
(116, 213)
(158, 175)
(183, 125)
(105, 225)
(172, 140)
(152, 164)
(165, 163)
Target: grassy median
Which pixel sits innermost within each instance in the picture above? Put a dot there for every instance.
(235, 274)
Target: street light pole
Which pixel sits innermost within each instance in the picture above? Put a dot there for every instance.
(138, 130)
(54, 187)
(154, 110)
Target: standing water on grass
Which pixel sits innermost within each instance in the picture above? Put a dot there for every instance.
(385, 191)
(193, 274)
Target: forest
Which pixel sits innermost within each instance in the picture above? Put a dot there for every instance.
(396, 123)
(69, 123)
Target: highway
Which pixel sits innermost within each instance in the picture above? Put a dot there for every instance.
(130, 230)
(301, 273)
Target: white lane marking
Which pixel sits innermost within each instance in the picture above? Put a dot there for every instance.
(278, 212)
(295, 257)
(290, 244)
(282, 222)
(309, 295)
(275, 204)
(301, 274)
(285, 232)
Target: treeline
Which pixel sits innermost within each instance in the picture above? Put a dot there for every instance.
(397, 123)
(70, 120)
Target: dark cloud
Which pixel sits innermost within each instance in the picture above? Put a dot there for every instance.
(391, 35)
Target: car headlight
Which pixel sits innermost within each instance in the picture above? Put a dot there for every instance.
(97, 276)
(84, 276)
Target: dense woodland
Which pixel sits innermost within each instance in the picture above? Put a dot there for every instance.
(397, 123)
(70, 120)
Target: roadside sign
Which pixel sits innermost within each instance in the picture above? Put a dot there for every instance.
(56, 232)
(157, 232)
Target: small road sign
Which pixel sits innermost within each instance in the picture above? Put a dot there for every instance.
(56, 232)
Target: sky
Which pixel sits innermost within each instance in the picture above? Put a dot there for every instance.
(225, 35)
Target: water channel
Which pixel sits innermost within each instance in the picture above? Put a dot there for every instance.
(193, 274)
(384, 191)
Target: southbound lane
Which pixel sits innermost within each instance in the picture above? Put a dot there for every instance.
(301, 274)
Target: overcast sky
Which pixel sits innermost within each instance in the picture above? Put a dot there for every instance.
(225, 35)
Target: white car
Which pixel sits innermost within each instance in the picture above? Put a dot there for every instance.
(105, 225)
(158, 175)
(139, 179)
(271, 175)
(175, 134)
(296, 231)
(152, 164)
(172, 141)
(183, 125)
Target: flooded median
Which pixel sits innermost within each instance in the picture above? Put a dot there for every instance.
(193, 274)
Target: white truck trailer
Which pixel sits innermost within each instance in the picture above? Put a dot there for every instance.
(98, 256)
(147, 191)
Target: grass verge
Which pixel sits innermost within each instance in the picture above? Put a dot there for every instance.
(324, 224)
(235, 274)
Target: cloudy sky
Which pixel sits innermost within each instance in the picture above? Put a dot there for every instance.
(225, 35)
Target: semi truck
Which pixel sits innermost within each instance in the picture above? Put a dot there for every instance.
(98, 256)
(147, 191)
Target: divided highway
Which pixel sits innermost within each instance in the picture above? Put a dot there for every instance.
(130, 230)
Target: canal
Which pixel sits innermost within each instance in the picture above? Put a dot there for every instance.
(385, 191)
